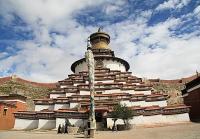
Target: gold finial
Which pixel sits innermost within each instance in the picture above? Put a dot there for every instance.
(100, 29)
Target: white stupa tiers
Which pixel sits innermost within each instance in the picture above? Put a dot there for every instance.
(113, 84)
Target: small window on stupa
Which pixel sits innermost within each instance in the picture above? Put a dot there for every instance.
(5, 110)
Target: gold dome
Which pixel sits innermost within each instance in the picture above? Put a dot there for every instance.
(100, 40)
(100, 45)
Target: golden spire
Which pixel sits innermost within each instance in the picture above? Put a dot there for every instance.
(100, 40)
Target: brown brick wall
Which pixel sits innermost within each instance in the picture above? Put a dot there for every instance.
(7, 121)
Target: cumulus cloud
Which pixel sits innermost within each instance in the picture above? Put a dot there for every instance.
(173, 4)
(197, 11)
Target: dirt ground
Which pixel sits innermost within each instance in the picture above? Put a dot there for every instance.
(180, 131)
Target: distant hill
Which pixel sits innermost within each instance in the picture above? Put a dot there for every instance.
(32, 90)
(171, 87)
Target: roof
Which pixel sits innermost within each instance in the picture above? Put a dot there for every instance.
(176, 107)
(9, 103)
(13, 97)
(191, 84)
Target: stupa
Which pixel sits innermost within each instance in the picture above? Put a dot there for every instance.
(114, 84)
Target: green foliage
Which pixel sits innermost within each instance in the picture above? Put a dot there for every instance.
(117, 112)
(127, 114)
(122, 112)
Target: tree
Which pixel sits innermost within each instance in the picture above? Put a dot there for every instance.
(116, 113)
(122, 112)
(126, 115)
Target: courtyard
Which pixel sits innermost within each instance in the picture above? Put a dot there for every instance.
(179, 131)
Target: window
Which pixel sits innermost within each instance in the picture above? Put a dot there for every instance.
(5, 110)
(98, 92)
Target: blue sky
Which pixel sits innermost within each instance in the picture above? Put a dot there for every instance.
(39, 40)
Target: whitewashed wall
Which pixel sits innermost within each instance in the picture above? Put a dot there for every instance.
(61, 106)
(69, 94)
(177, 118)
(143, 103)
(143, 92)
(73, 104)
(104, 81)
(138, 103)
(113, 65)
(137, 120)
(81, 67)
(76, 122)
(162, 103)
(46, 124)
(25, 124)
(63, 86)
(111, 91)
(59, 121)
(83, 92)
(42, 107)
(126, 102)
(128, 91)
(57, 95)
(110, 122)
(153, 120)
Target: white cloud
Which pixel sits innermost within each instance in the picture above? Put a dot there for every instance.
(197, 11)
(173, 4)
(171, 57)
(114, 7)
(39, 60)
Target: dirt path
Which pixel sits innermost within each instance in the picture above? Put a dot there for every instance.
(181, 131)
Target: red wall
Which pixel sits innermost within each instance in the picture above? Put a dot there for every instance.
(7, 121)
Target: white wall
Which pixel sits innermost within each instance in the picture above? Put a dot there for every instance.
(105, 81)
(143, 103)
(153, 120)
(126, 102)
(143, 92)
(57, 95)
(61, 106)
(76, 122)
(41, 107)
(46, 124)
(25, 124)
(128, 91)
(138, 103)
(177, 118)
(81, 67)
(110, 122)
(83, 92)
(59, 121)
(68, 94)
(73, 104)
(162, 103)
(111, 91)
(113, 65)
